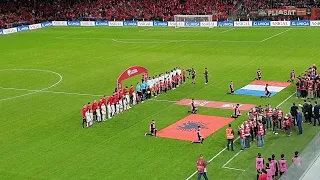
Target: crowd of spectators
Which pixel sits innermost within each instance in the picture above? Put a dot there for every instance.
(14, 13)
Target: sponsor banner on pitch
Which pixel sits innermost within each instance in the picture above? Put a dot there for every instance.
(22, 28)
(261, 23)
(87, 23)
(280, 23)
(180, 24)
(10, 31)
(46, 24)
(115, 23)
(314, 23)
(171, 23)
(34, 26)
(208, 24)
(145, 23)
(300, 23)
(59, 23)
(242, 23)
(130, 23)
(191, 24)
(73, 23)
(225, 23)
(101, 23)
(160, 23)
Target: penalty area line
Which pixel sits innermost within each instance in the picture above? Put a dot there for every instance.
(225, 164)
(275, 35)
(214, 157)
(234, 169)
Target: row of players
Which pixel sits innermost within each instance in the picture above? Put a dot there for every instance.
(124, 99)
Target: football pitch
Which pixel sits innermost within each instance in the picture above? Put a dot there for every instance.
(48, 74)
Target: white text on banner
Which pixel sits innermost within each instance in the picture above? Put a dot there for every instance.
(87, 23)
(145, 23)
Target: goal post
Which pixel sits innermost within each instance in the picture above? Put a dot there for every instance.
(191, 20)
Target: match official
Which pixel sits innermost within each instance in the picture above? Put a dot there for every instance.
(193, 76)
(206, 75)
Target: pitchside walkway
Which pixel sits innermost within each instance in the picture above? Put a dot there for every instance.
(313, 172)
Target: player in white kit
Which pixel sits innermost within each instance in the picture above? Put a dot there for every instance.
(103, 111)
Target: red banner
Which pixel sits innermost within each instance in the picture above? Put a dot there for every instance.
(131, 72)
(301, 11)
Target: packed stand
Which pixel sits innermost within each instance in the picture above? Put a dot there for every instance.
(14, 13)
(123, 99)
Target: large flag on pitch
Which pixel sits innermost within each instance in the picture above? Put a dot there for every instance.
(257, 88)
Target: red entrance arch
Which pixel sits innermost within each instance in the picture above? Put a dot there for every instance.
(131, 72)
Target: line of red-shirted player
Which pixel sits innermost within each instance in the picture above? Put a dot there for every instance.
(123, 99)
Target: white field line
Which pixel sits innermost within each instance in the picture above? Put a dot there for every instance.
(225, 164)
(54, 92)
(159, 41)
(141, 42)
(275, 35)
(194, 173)
(228, 30)
(33, 92)
(234, 169)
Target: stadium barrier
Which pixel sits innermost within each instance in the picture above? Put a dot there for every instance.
(163, 24)
(308, 157)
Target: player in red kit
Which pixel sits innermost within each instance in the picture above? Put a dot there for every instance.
(104, 100)
(88, 106)
(259, 75)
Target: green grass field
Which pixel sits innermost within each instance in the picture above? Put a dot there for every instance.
(40, 132)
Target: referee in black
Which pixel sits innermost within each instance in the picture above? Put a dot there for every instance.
(193, 76)
(206, 75)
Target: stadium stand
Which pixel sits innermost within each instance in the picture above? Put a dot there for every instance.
(22, 12)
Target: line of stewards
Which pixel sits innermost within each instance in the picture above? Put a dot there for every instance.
(273, 169)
